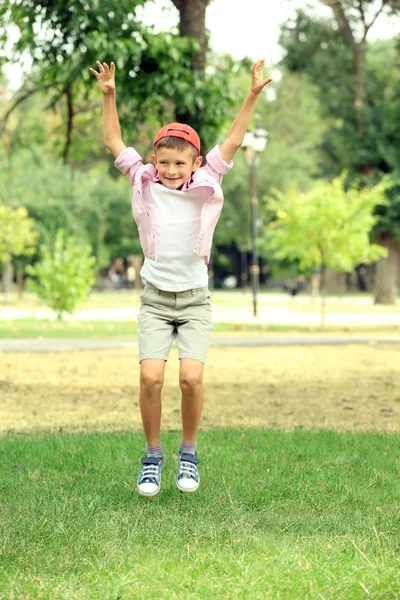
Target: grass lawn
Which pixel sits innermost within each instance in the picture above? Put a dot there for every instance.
(278, 515)
(300, 492)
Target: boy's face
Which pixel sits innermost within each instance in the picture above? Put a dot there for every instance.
(175, 167)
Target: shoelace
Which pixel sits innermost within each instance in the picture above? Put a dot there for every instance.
(149, 472)
(188, 469)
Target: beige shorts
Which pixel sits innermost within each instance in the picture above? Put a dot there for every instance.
(183, 316)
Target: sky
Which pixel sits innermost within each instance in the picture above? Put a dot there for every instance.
(252, 31)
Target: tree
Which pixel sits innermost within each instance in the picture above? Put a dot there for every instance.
(291, 158)
(65, 274)
(161, 74)
(357, 99)
(17, 234)
(17, 238)
(89, 204)
(327, 227)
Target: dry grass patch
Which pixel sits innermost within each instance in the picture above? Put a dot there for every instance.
(317, 387)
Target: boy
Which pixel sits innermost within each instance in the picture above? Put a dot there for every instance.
(176, 204)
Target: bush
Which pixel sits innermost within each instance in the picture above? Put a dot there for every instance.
(65, 274)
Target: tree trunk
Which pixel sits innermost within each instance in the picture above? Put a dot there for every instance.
(192, 23)
(358, 69)
(387, 272)
(358, 50)
(7, 279)
(20, 283)
(323, 295)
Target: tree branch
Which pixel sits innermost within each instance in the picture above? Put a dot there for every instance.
(177, 3)
(362, 13)
(70, 108)
(3, 121)
(368, 27)
(343, 22)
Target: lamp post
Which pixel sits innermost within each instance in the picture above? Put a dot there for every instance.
(254, 144)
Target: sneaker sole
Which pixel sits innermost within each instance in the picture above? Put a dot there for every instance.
(148, 495)
(186, 491)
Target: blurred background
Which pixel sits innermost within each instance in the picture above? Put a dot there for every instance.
(315, 208)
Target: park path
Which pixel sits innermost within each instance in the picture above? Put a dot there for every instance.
(52, 345)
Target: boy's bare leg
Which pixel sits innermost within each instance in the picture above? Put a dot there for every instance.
(151, 383)
(191, 384)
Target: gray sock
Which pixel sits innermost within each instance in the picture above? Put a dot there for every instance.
(187, 448)
(156, 451)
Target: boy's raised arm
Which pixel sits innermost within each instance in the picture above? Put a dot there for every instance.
(112, 130)
(239, 127)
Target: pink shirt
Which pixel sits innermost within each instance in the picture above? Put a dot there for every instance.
(130, 163)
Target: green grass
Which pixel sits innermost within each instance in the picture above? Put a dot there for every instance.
(35, 328)
(278, 515)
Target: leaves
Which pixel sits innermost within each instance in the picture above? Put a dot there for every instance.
(363, 140)
(154, 75)
(326, 227)
(65, 274)
(17, 233)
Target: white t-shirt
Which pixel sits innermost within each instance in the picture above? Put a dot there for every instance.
(175, 216)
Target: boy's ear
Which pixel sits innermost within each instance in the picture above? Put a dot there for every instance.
(154, 157)
(197, 163)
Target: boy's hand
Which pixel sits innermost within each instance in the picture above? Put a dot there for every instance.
(258, 83)
(105, 77)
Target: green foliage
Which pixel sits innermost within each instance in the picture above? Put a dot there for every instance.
(17, 234)
(65, 274)
(234, 224)
(326, 227)
(291, 158)
(89, 204)
(296, 132)
(316, 48)
(363, 140)
(154, 70)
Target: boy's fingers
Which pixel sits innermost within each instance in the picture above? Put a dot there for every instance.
(105, 65)
(93, 71)
(112, 67)
(98, 63)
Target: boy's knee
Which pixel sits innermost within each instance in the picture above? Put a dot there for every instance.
(190, 381)
(151, 379)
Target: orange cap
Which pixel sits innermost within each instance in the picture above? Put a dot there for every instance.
(181, 131)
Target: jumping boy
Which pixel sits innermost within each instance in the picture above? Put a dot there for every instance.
(176, 204)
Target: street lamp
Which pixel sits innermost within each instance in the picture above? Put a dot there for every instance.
(254, 144)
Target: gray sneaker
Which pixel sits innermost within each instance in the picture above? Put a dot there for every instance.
(149, 481)
(188, 478)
